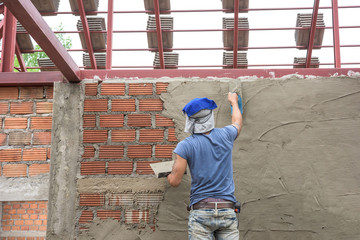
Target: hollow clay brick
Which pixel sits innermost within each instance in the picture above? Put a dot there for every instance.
(92, 168)
(89, 121)
(9, 93)
(31, 92)
(41, 123)
(16, 123)
(139, 120)
(163, 121)
(91, 89)
(35, 154)
(124, 168)
(41, 138)
(112, 120)
(140, 89)
(113, 89)
(150, 105)
(111, 152)
(44, 107)
(95, 105)
(161, 88)
(21, 107)
(123, 105)
(139, 151)
(151, 135)
(123, 135)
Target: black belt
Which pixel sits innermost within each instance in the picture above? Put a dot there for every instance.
(212, 205)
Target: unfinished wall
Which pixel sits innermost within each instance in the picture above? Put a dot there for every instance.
(25, 135)
(295, 163)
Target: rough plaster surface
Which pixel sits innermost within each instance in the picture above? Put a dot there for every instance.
(65, 145)
(24, 189)
(296, 162)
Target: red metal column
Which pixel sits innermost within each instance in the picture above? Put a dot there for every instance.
(87, 34)
(336, 34)
(20, 58)
(312, 33)
(1, 29)
(8, 45)
(236, 33)
(159, 34)
(109, 34)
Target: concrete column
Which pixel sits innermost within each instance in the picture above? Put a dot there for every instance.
(65, 145)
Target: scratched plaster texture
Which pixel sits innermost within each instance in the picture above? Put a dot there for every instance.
(296, 162)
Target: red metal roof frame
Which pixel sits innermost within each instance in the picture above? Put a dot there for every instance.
(9, 39)
(34, 23)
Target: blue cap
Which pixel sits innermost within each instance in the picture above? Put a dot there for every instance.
(198, 104)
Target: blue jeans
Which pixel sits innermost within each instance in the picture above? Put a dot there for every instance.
(209, 224)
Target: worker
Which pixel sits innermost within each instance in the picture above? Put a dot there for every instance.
(208, 152)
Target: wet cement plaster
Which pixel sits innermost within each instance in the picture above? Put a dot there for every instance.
(296, 162)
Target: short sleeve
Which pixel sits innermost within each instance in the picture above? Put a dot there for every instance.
(182, 150)
(231, 132)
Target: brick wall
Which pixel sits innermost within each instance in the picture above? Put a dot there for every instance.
(123, 132)
(25, 136)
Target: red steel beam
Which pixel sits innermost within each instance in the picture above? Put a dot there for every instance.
(87, 34)
(33, 22)
(203, 73)
(8, 45)
(20, 58)
(30, 78)
(109, 33)
(236, 33)
(159, 34)
(336, 34)
(1, 28)
(312, 33)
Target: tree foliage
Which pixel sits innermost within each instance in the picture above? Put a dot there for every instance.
(30, 59)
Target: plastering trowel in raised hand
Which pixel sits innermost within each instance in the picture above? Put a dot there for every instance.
(237, 90)
(162, 169)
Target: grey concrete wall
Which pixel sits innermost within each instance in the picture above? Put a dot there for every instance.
(65, 145)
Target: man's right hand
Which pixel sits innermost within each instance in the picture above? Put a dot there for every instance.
(233, 98)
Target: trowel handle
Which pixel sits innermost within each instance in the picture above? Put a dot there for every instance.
(239, 103)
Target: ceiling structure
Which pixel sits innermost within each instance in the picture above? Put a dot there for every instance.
(96, 41)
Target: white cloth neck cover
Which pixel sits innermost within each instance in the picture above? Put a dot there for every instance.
(201, 122)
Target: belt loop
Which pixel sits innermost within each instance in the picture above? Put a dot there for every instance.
(216, 208)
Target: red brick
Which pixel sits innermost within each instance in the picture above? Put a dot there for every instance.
(48, 151)
(89, 121)
(25, 216)
(14, 170)
(43, 205)
(41, 122)
(91, 89)
(6, 217)
(25, 206)
(113, 89)
(33, 217)
(140, 89)
(6, 228)
(123, 105)
(164, 151)
(4, 107)
(144, 167)
(15, 217)
(172, 135)
(10, 155)
(163, 121)
(139, 120)
(139, 151)
(112, 120)
(161, 87)
(105, 214)
(44, 107)
(36, 169)
(9, 93)
(43, 216)
(114, 152)
(0, 123)
(15, 228)
(21, 107)
(31, 92)
(19, 138)
(41, 138)
(37, 222)
(120, 168)
(49, 92)
(123, 135)
(86, 216)
(33, 228)
(34, 206)
(95, 136)
(150, 105)
(15, 123)
(137, 216)
(2, 139)
(92, 199)
(95, 105)
(35, 154)
(92, 168)
(89, 152)
(151, 135)
(23, 228)
(19, 222)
